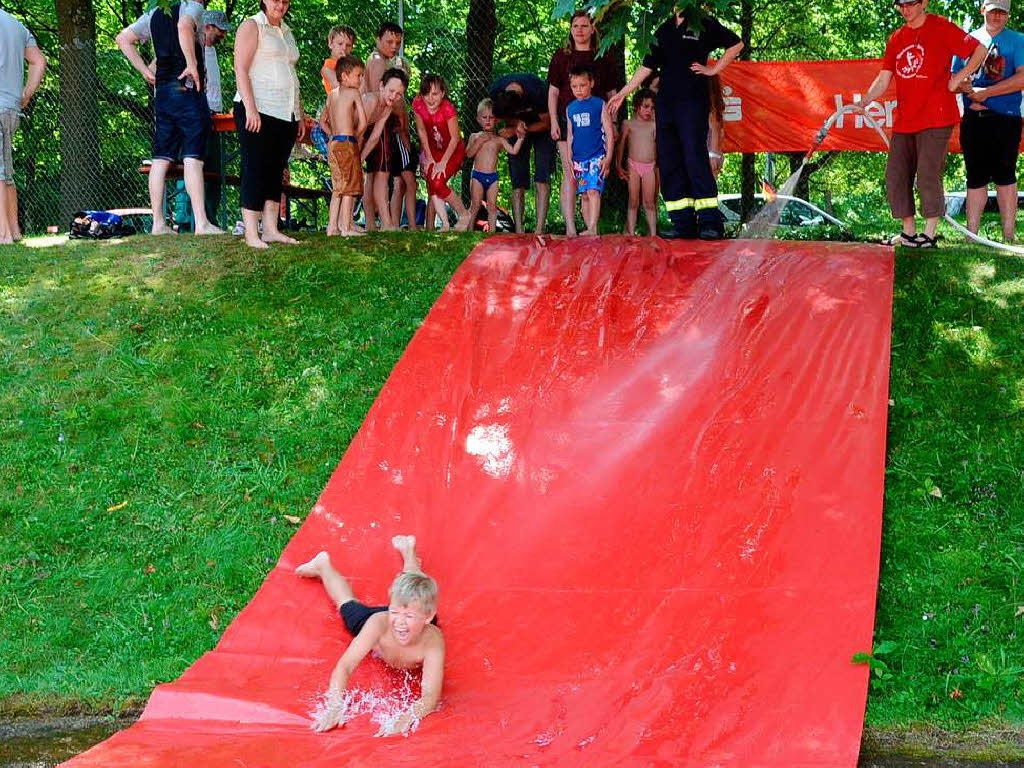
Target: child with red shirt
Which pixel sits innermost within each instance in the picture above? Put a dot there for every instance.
(438, 127)
(919, 54)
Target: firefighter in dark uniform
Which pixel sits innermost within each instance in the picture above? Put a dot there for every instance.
(679, 57)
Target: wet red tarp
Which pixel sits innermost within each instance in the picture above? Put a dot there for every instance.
(648, 478)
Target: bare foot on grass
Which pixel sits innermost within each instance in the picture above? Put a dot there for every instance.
(255, 242)
(312, 568)
(162, 229)
(278, 237)
(209, 229)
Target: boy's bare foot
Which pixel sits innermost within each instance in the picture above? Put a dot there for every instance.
(463, 224)
(255, 242)
(162, 229)
(312, 568)
(209, 229)
(406, 546)
(351, 233)
(278, 237)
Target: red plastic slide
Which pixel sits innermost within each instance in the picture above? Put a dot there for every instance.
(648, 478)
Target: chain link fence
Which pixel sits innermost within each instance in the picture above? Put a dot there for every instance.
(88, 132)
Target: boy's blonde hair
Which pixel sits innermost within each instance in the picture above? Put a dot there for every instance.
(484, 104)
(409, 588)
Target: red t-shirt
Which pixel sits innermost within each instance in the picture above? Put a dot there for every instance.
(436, 124)
(920, 60)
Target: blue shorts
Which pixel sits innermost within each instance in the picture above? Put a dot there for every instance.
(485, 179)
(588, 175)
(183, 122)
(319, 139)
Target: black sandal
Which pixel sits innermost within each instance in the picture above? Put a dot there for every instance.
(925, 242)
(907, 241)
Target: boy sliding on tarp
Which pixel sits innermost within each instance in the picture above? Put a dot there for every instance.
(404, 634)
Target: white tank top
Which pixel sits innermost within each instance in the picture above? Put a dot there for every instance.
(275, 84)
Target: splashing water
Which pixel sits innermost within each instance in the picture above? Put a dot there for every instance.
(383, 707)
(764, 224)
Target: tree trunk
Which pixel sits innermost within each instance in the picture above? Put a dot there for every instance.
(79, 113)
(481, 30)
(748, 175)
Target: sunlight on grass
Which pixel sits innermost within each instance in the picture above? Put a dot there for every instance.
(44, 242)
(973, 340)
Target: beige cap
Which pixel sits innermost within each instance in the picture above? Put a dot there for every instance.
(995, 5)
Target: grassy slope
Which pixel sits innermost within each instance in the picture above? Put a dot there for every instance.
(214, 394)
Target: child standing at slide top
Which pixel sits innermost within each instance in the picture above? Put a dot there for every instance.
(381, 125)
(344, 120)
(438, 127)
(590, 141)
(484, 147)
(340, 41)
(404, 634)
(637, 143)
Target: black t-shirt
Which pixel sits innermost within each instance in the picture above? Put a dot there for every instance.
(535, 96)
(675, 47)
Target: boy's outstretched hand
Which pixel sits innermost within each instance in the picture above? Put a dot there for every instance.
(397, 727)
(331, 716)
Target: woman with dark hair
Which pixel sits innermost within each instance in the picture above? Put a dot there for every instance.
(581, 49)
(268, 115)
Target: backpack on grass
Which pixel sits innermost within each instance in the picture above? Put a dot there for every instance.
(99, 225)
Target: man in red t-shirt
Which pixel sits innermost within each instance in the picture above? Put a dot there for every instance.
(919, 55)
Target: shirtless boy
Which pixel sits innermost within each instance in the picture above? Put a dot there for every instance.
(637, 142)
(344, 121)
(401, 634)
(484, 147)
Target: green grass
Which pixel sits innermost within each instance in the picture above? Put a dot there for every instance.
(162, 409)
(951, 606)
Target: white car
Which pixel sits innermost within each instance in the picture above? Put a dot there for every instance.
(797, 212)
(955, 202)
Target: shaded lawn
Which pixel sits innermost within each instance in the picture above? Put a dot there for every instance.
(164, 409)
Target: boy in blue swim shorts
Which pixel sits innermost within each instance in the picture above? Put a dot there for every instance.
(484, 147)
(590, 140)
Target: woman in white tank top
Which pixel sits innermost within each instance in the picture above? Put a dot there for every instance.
(268, 115)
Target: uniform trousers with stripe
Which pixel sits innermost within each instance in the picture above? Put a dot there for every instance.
(687, 184)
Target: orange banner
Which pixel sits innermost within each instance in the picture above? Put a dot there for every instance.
(779, 106)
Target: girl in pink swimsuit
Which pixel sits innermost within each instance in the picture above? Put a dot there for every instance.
(637, 144)
(443, 148)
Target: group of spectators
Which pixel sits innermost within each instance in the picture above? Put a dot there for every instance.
(988, 72)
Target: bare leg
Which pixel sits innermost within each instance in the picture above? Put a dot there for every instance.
(441, 211)
(1006, 195)
(337, 586)
(345, 227)
(6, 234)
(542, 195)
(931, 226)
(492, 208)
(271, 234)
(194, 185)
(252, 229)
(333, 213)
(410, 198)
(518, 208)
(568, 197)
(406, 546)
(455, 201)
(593, 211)
(476, 198)
(368, 208)
(397, 197)
(909, 225)
(12, 211)
(381, 202)
(649, 196)
(157, 175)
(634, 202)
(975, 205)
